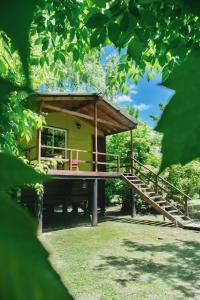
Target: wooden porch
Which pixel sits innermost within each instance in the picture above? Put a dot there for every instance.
(104, 117)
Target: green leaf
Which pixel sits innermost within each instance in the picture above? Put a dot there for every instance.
(56, 55)
(191, 6)
(180, 122)
(133, 8)
(3, 67)
(15, 20)
(98, 37)
(42, 61)
(125, 22)
(147, 18)
(114, 33)
(35, 61)
(135, 48)
(10, 169)
(97, 20)
(38, 41)
(100, 3)
(75, 54)
(7, 87)
(25, 270)
(45, 44)
(62, 57)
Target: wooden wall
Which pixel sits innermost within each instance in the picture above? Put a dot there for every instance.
(77, 138)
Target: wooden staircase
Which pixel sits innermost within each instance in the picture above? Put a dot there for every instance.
(154, 199)
(157, 192)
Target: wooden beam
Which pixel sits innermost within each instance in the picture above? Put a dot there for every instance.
(84, 104)
(66, 97)
(103, 116)
(133, 207)
(131, 149)
(77, 114)
(40, 212)
(94, 204)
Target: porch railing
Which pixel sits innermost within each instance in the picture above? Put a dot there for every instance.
(73, 156)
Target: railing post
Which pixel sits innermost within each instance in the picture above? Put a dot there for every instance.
(156, 184)
(77, 161)
(186, 207)
(70, 160)
(131, 150)
(118, 163)
(96, 137)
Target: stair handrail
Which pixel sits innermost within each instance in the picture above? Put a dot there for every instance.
(164, 180)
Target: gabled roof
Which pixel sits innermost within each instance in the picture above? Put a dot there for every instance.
(111, 119)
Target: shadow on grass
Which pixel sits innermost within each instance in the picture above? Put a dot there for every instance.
(176, 264)
(136, 221)
(58, 221)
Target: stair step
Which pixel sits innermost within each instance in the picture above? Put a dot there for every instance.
(149, 190)
(172, 211)
(168, 206)
(156, 197)
(135, 181)
(178, 216)
(160, 202)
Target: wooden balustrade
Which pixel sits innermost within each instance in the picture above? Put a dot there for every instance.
(162, 185)
(71, 153)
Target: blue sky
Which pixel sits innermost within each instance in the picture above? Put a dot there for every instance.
(145, 96)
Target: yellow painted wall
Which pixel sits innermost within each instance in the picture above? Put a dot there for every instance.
(76, 138)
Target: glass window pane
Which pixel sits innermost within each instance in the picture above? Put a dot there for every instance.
(53, 137)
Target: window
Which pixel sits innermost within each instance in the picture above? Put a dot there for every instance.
(53, 137)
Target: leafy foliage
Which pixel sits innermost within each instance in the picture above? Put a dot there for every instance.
(16, 23)
(180, 120)
(19, 245)
(185, 177)
(12, 179)
(154, 35)
(27, 272)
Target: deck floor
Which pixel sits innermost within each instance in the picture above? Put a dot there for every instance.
(83, 174)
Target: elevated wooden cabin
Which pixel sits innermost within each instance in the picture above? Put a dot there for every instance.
(74, 137)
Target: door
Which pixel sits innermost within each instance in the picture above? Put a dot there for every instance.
(101, 141)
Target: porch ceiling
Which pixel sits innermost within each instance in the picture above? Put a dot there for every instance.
(111, 119)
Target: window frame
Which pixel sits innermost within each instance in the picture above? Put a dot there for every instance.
(59, 129)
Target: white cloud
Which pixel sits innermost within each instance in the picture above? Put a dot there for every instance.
(124, 98)
(133, 89)
(141, 106)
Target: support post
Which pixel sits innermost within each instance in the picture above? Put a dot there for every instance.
(95, 137)
(133, 206)
(131, 149)
(40, 212)
(186, 208)
(39, 145)
(39, 139)
(94, 203)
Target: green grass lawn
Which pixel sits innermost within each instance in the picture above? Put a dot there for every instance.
(127, 259)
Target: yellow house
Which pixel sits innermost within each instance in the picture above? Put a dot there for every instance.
(75, 136)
